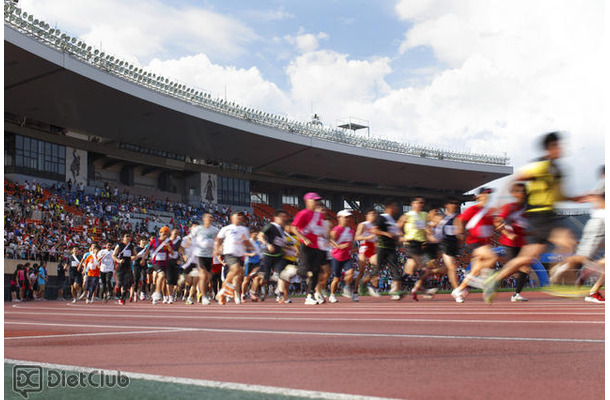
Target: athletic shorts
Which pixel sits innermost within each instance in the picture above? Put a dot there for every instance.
(593, 236)
(232, 260)
(172, 272)
(451, 248)
(194, 273)
(430, 252)
(76, 278)
(511, 252)
(338, 266)
(471, 247)
(414, 248)
(188, 269)
(205, 263)
(158, 268)
(272, 264)
(250, 267)
(367, 249)
(541, 224)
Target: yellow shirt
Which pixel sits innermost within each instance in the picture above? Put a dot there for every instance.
(544, 186)
(415, 226)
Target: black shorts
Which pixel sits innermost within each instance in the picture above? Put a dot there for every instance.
(470, 248)
(312, 259)
(430, 252)
(540, 226)
(414, 248)
(159, 268)
(61, 281)
(451, 248)
(338, 266)
(76, 278)
(205, 263)
(172, 272)
(272, 264)
(232, 260)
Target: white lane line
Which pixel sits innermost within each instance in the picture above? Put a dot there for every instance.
(374, 335)
(90, 334)
(273, 390)
(331, 319)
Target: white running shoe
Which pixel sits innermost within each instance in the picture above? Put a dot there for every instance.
(457, 295)
(88, 301)
(142, 296)
(319, 298)
(165, 300)
(517, 297)
(373, 291)
(205, 301)
(74, 301)
(347, 293)
(237, 299)
(310, 300)
(332, 298)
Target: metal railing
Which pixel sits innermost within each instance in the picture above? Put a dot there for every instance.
(55, 38)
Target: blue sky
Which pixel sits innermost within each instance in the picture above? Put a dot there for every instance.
(486, 76)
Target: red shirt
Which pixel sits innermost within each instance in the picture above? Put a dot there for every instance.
(516, 223)
(309, 224)
(483, 225)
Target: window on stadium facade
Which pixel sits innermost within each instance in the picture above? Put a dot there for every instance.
(31, 156)
(290, 200)
(234, 191)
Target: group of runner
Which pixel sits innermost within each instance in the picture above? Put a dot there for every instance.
(236, 264)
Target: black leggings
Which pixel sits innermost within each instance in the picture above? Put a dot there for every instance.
(107, 282)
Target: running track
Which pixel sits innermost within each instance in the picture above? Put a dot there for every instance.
(548, 348)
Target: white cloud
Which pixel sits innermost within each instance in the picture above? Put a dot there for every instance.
(138, 30)
(306, 42)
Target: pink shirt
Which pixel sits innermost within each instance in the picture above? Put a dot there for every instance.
(309, 224)
(342, 235)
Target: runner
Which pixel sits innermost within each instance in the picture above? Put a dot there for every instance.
(92, 269)
(122, 256)
(273, 241)
(253, 265)
(342, 240)
(76, 277)
(367, 250)
(203, 237)
(159, 250)
(414, 223)
(512, 225)
(324, 244)
(234, 239)
(62, 266)
(307, 226)
(140, 270)
(477, 223)
(172, 266)
(387, 233)
(106, 270)
(449, 246)
(544, 189)
(430, 255)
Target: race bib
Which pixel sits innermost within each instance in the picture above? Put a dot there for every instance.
(127, 253)
(74, 264)
(160, 257)
(419, 224)
(450, 230)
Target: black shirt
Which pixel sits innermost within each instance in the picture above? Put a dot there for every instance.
(125, 252)
(386, 223)
(275, 236)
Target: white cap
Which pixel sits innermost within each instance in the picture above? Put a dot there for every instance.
(344, 213)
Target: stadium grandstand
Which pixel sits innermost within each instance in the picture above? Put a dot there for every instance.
(74, 113)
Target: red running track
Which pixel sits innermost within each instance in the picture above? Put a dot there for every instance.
(547, 348)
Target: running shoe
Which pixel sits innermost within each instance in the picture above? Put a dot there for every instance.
(355, 297)
(243, 297)
(165, 300)
(205, 301)
(75, 300)
(310, 300)
(319, 298)
(347, 293)
(457, 295)
(395, 296)
(189, 302)
(595, 297)
(254, 297)
(88, 301)
(373, 291)
(121, 302)
(82, 296)
(237, 300)
(517, 298)
(414, 295)
(429, 293)
(288, 301)
(332, 298)
(142, 296)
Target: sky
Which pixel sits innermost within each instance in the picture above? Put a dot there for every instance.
(488, 76)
